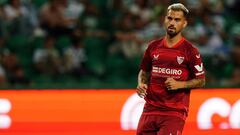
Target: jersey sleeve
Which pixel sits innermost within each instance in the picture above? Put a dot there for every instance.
(196, 66)
(146, 63)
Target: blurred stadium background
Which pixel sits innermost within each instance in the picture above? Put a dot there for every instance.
(69, 67)
(99, 43)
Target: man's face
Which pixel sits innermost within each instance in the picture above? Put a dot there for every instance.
(174, 22)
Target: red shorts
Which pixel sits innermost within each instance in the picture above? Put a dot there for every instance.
(160, 125)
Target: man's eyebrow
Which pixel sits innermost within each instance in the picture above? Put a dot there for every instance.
(175, 18)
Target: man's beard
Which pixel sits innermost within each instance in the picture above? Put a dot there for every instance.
(172, 32)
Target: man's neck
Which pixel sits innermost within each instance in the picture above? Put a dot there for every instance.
(171, 41)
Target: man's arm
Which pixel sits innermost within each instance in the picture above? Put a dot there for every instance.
(195, 83)
(143, 80)
(143, 77)
(172, 84)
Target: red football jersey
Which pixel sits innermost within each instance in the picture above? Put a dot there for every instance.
(181, 62)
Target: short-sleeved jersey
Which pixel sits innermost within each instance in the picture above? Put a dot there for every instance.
(181, 62)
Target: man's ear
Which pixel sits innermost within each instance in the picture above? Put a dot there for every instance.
(185, 24)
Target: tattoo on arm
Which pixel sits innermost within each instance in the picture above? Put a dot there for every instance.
(143, 77)
(195, 83)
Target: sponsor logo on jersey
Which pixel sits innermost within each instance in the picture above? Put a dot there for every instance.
(199, 69)
(198, 56)
(155, 57)
(168, 71)
(180, 59)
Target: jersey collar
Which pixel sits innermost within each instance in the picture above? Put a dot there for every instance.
(175, 45)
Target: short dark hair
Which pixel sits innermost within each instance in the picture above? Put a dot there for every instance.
(179, 7)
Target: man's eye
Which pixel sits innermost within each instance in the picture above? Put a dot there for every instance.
(177, 20)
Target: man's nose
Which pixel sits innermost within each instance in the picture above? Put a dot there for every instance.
(172, 22)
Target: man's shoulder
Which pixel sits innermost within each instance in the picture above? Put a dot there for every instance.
(189, 46)
(155, 42)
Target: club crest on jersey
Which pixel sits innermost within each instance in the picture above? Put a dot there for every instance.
(180, 59)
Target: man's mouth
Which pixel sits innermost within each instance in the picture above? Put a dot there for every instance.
(171, 27)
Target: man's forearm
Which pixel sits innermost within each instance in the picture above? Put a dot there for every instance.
(143, 77)
(195, 83)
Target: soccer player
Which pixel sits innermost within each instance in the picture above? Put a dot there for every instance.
(170, 67)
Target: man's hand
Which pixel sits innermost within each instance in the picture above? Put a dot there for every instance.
(142, 90)
(172, 84)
